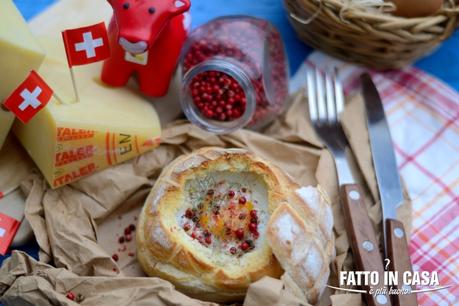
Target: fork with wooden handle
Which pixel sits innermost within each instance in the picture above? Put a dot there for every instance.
(326, 102)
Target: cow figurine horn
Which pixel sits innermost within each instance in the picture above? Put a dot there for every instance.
(146, 38)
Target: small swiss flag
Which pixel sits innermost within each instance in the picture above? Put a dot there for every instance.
(86, 45)
(8, 228)
(29, 98)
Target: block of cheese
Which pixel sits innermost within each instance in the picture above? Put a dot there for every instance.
(19, 53)
(72, 140)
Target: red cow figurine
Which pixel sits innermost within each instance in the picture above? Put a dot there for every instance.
(146, 37)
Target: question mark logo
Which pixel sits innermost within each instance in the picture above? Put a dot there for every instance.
(387, 261)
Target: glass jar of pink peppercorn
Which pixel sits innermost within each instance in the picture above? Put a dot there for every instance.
(234, 74)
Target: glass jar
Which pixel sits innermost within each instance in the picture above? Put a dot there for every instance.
(234, 74)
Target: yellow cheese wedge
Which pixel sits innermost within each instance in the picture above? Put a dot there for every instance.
(108, 126)
(19, 53)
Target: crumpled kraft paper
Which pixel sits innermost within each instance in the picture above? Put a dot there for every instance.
(78, 226)
(14, 165)
(29, 281)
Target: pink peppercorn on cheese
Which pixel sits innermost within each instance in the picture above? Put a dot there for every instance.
(106, 127)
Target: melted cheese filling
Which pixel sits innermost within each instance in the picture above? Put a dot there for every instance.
(225, 212)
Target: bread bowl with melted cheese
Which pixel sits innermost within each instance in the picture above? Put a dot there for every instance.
(205, 225)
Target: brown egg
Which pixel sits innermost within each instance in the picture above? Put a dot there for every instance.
(416, 8)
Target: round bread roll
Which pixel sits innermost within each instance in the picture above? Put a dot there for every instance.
(204, 225)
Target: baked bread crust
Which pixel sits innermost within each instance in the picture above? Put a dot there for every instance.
(209, 272)
(300, 232)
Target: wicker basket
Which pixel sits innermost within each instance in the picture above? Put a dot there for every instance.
(374, 39)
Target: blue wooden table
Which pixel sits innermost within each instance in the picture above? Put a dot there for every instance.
(443, 63)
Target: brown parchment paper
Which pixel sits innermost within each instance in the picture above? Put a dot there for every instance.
(77, 226)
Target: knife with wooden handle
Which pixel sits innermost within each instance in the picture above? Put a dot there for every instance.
(362, 238)
(390, 189)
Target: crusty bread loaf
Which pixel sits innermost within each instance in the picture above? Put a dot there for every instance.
(204, 224)
(300, 232)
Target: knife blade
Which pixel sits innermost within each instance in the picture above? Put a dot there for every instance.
(385, 164)
(389, 187)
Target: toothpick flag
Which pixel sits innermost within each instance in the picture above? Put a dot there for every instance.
(86, 45)
(29, 98)
(8, 228)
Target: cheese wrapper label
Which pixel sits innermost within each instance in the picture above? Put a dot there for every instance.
(82, 152)
(19, 54)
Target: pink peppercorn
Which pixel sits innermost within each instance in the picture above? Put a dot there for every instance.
(239, 234)
(70, 295)
(253, 227)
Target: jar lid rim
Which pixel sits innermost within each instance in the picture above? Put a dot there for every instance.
(233, 69)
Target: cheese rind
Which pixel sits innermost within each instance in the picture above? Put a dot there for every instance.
(106, 127)
(19, 53)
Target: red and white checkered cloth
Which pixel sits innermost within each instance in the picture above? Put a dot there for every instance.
(423, 115)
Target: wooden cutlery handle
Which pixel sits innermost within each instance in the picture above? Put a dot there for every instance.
(399, 256)
(363, 241)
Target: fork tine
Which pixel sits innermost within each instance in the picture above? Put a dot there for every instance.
(312, 98)
(330, 96)
(321, 106)
(339, 92)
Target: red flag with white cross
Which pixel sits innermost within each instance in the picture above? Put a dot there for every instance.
(86, 45)
(8, 228)
(29, 98)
